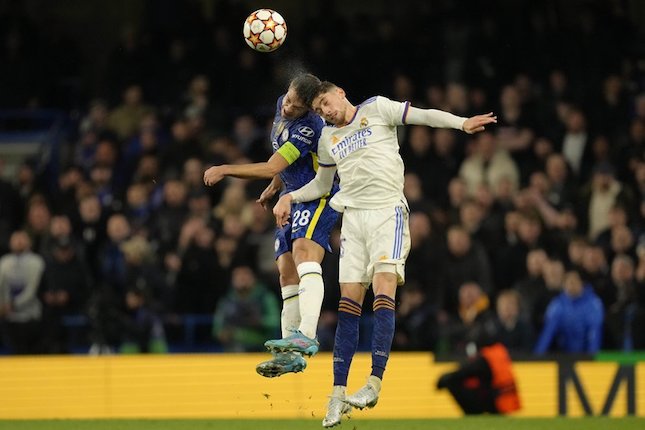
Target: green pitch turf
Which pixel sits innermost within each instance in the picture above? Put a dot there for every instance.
(485, 423)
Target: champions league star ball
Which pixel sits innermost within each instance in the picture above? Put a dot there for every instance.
(265, 30)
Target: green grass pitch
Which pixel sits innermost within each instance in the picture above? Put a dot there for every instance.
(482, 423)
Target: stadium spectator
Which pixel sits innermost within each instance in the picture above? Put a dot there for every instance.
(598, 197)
(11, 212)
(514, 132)
(124, 120)
(553, 280)
(561, 190)
(617, 216)
(620, 314)
(596, 272)
(473, 308)
(511, 259)
(423, 264)
(444, 165)
(532, 285)
(573, 321)
(514, 329)
(248, 314)
(140, 327)
(200, 282)
(182, 147)
(21, 273)
(66, 285)
(466, 261)
(91, 230)
(488, 164)
(38, 219)
(416, 321)
(576, 144)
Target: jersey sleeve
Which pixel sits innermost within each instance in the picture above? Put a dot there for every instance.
(393, 113)
(303, 137)
(324, 156)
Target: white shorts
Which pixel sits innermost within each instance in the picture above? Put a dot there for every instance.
(373, 241)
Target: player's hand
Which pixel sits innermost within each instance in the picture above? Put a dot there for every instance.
(267, 195)
(213, 175)
(282, 210)
(478, 123)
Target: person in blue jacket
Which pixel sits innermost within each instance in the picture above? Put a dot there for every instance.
(573, 319)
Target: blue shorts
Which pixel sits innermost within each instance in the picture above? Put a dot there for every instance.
(312, 220)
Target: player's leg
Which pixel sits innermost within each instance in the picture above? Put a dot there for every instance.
(345, 344)
(285, 362)
(353, 282)
(307, 255)
(388, 246)
(384, 285)
(312, 225)
(290, 317)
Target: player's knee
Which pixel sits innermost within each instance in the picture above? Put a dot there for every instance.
(385, 280)
(289, 277)
(353, 290)
(305, 250)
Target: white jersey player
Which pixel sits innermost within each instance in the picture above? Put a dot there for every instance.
(362, 145)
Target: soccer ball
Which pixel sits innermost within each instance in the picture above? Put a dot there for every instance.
(265, 30)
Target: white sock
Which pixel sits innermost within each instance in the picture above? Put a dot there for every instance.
(290, 318)
(311, 293)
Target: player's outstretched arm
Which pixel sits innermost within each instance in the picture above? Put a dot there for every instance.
(264, 170)
(441, 119)
(314, 189)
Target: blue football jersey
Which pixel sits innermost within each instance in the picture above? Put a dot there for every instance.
(297, 142)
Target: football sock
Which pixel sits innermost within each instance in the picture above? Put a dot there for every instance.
(346, 341)
(311, 293)
(290, 317)
(383, 333)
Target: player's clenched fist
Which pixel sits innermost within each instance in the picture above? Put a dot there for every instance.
(213, 175)
(282, 210)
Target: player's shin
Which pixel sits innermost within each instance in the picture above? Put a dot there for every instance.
(310, 293)
(383, 333)
(290, 317)
(346, 341)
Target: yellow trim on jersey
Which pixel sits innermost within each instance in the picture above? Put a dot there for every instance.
(314, 219)
(314, 161)
(289, 151)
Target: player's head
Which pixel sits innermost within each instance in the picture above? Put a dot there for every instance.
(330, 103)
(302, 90)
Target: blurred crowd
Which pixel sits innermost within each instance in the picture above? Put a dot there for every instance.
(537, 224)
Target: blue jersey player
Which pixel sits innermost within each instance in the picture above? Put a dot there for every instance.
(300, 244)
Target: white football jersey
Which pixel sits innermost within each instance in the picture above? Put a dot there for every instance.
(366, 153)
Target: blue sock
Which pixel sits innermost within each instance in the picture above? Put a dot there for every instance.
(346, 341)
(383, 333)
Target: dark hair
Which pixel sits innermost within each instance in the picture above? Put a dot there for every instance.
(306, 86)
(324, 87)
(321, 88)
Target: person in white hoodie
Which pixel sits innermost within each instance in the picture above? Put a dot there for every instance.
(20, 274)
